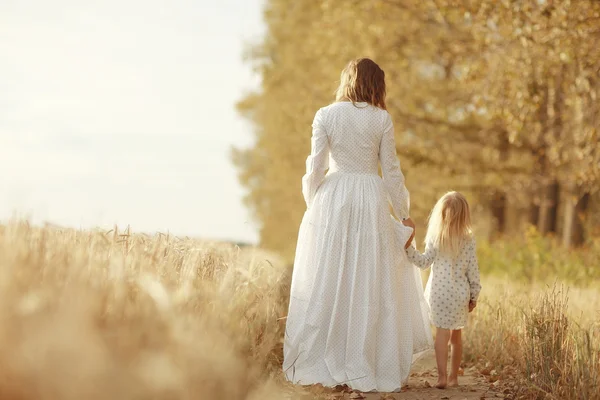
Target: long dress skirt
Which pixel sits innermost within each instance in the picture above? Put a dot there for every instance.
(357, 313)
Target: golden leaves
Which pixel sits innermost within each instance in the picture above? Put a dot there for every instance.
(461, 74)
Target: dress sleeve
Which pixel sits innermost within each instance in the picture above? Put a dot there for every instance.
(473, 270)
(402, 233)
(317, 162)
(422, 261)
(392, 174)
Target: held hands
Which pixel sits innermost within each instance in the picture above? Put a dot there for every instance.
(409, 222)
(472, 305)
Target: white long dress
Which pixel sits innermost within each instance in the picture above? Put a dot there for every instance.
(357, 313)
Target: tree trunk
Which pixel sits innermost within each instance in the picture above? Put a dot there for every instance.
(498, 207)
(575, 213)
(570, 202)
(551, 118)
(534, 213)
(578, 235)
(548, 209)
(499, 200)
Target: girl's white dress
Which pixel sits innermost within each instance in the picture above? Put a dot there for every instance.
(452, 283)
(357, 313)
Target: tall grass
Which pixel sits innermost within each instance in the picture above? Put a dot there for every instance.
(534, 340)
(96, 315)
(540, 315)
(99, 315)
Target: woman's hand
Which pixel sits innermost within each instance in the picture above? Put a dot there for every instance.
(409, 222)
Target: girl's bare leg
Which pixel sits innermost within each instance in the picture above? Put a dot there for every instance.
(442, 336)
(456, 342)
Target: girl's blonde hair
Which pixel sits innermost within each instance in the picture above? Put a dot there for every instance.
(362, 81)
(449, 223)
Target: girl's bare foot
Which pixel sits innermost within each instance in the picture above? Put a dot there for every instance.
(452, 382)
(441, 383)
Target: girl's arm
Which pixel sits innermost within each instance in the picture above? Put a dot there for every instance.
(318, 161)
(422, 261)
(393, 178)
(473, 270)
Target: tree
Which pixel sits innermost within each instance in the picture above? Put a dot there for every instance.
(494, 98)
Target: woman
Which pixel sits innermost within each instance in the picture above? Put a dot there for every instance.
(357, 314)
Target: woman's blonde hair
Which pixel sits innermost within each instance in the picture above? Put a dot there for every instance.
(362, 81)
(449, 223)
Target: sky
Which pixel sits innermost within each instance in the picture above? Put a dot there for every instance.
(123, 112)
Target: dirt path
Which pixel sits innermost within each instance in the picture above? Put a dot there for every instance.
(473, 386)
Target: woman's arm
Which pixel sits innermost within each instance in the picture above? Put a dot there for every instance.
(422, 261)
(473, 270)
(392, 174)
(317, 162)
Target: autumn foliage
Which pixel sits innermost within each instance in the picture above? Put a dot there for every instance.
(494, 98)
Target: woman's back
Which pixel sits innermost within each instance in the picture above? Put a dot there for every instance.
(351, 139)
(354, 132)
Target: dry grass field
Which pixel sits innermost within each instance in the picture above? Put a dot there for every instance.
(96, 315)
(114, 315)
(540, 341)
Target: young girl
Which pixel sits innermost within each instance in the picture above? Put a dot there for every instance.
(453, 285)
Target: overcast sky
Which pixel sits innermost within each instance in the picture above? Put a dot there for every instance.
(122, 111)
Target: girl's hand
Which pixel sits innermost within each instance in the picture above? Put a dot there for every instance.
(472, 305)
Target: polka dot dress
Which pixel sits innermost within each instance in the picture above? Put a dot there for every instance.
(357, 312)
(452, 283)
